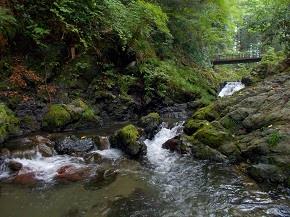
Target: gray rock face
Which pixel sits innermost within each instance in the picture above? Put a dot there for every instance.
(258, 122)
(73, 145)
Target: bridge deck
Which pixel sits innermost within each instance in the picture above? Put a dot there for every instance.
(236, 60)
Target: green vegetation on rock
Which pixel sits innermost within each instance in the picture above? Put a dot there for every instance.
(127, 139)
(56, 117)
(208, 113)
(9, 124)
(211, 135)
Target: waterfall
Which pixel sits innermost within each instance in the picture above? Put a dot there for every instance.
(230, 88)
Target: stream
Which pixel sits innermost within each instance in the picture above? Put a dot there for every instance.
(164, 184)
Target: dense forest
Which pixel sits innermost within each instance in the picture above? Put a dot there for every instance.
(124, 68)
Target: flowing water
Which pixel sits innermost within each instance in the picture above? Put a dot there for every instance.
(163, 185)
(230, 88)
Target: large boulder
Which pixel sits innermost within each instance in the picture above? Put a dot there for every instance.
(176, 145)
(9, 124)
(150, 124)
(267, 173)
(57, 117)
(192, 125)
(73, 145)
(212, 135)
(128, 140)
(76, 115)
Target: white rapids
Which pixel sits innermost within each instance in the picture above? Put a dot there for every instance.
(230, 88)
(45, 168)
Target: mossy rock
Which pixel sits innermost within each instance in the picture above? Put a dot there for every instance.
(56, 117)
(78, 109)
(192, 125)
(150, 123)
(211, 135)
(204, 152)
(207, 113)
(9, 123)
(127, 139)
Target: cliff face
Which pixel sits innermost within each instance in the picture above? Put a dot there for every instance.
(252, 126)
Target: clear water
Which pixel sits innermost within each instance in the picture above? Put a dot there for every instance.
(164, 185)
(230, 88)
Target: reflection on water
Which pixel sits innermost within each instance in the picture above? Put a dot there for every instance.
(168, 185)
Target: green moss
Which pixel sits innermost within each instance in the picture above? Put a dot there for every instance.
(274, 138)
(80, 110)
(127, 140)
(56, 117)
(151, 117)
(207, 113)
(211, 135)
(9, 124)
(129, 134)
(192, 125)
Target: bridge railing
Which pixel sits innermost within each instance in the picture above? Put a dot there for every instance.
(238, 56)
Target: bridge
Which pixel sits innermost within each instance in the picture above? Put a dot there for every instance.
(235, 59)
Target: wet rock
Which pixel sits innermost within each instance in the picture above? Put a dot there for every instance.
(71, 173)
(73, 145)
(103, 177)
(204, 152)
(14, 165)
(94, 158)
(25, 179)
(45, 150)
(150, 124)
(42, 140)
(213, 136)
(208, 113)
(267, 173)
(104, 143)
(176, 145)
(128, 140)
(192, 125)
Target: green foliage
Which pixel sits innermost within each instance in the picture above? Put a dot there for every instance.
(274, 138)
(9, 124)
(7, 22)
(271, 19)
(272, 57)
(168, 79)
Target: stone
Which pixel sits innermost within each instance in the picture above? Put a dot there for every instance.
(128, 140)
(28, 179)
(45, 151)
(211, 135)
(150, 123)
(14, 165)
(192, 125)
(71, 173)
(73, 145)
(94, 157)
(204, 152)
(57, 117)
(176, 145)
(267, 173)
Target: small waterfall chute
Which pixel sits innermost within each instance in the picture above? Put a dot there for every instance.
(230, 88)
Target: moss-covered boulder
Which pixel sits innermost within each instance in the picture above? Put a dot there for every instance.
(150, 124)
(9, 123)
(57, 117)
(75, 115)
(211, 134)
(128, 140)
(208, 113)
(192, 125)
